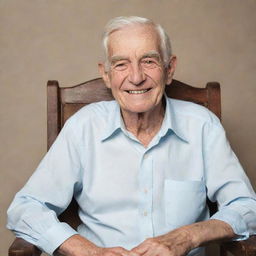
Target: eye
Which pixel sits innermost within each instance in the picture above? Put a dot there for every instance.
(149, 63)
(120, 66)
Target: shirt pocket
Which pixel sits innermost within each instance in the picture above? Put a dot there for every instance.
(185, 201)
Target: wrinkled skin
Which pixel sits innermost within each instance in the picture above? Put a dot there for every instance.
(175, 243)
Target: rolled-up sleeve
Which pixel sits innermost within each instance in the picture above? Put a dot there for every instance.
(228, 184)
(34, 210)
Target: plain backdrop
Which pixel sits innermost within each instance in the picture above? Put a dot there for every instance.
(60, 39)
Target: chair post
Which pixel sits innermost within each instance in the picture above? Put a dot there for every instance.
(21, 247)
(223, 251)
(53, 111)
(214, 101)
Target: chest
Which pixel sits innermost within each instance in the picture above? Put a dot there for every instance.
(121, 169)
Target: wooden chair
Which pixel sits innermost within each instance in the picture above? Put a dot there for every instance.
(63, 102)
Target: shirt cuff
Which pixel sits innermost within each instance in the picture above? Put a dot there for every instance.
(235, 220)
(55, 236)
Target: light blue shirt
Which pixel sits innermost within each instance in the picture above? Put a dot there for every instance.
(127, 192)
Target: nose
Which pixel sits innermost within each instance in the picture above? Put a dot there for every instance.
(136, 75)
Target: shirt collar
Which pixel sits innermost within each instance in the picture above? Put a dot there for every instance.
(171, 122)
(114, 122)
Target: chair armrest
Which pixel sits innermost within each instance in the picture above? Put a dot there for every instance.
(240, 248)
(21, 247)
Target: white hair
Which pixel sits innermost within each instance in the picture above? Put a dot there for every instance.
(120, 22)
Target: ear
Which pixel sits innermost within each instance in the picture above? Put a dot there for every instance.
(104, 74)
(171, 69)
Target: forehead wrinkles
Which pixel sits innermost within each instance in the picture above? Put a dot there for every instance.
(143, 37)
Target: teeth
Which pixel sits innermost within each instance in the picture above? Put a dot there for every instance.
(138, 92)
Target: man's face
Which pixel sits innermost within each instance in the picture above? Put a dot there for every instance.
(137, 75)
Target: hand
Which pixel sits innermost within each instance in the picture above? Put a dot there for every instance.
(182, 240)
(175, 243)
(79, 246)
(114, 251)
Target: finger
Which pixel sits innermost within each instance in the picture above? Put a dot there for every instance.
(141, 249)
(131, 253)
(120, 250)
(157, 251)
(112, 253)
(151, 247)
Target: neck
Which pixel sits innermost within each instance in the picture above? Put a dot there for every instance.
(144, 126)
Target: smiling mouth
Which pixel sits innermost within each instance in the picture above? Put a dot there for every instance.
(138, 91)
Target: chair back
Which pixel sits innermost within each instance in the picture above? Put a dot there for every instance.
(62, 102)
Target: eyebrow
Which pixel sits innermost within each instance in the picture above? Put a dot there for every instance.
(117, 58)
(150, 54)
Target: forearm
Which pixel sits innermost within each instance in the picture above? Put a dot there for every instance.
(200, 233)
(182, 240)
(210, 231)
(78, 245)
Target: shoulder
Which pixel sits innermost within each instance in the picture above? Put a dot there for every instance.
(192, 111)
(91, 116)
(94, 110)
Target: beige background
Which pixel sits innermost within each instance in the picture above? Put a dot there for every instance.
(59, 39)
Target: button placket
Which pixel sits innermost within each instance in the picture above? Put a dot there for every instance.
(146, 195)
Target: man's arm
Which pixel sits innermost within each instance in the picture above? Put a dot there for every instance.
(226, 183)
(182, 240)
(80, 246)
(34, 210)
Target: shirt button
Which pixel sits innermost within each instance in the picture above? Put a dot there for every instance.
(146, 156)
(145, 213)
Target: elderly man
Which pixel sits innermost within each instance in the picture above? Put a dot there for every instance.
(140, 167)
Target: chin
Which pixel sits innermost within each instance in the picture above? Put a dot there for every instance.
(138, 109)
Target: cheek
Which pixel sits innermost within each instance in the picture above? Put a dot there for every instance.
(157, 75)
(117, 79)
